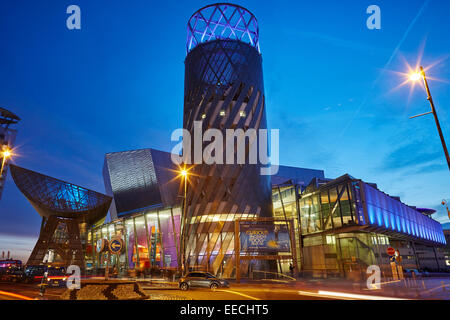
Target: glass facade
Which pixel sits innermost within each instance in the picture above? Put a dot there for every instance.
(390, 214)
(285, 207)
(344, 225)
(327, 208)
(151, 241)
(348, 202)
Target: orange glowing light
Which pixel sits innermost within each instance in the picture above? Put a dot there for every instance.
(7, 153)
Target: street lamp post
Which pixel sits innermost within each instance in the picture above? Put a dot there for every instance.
(414, 77)
(444, 203)
(184, 174)
(5, 154)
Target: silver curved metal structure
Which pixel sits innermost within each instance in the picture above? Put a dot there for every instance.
(224, 89)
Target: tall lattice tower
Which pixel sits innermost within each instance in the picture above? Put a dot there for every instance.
(223, 90)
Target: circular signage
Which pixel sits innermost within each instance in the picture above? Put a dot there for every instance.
(116, 245)
(101, 245)
(390, 251)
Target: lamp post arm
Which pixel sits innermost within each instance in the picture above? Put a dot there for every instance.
(433, 110)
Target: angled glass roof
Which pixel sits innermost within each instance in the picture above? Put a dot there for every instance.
(51, 196)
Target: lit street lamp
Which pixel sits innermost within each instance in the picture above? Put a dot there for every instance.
(6, 153)
(415, 77)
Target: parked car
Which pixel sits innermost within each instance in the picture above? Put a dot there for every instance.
(56, 276)
(33, 274)
(201, 280)
(12, 274)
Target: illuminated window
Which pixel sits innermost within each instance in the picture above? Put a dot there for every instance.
(203, 116)
(374, 240)
(242, 114)
(222, 113)
(331, 240)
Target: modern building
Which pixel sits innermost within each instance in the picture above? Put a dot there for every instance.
(231, 220)
(67, 212)
(149, 222)
(340, 226)
(145, 210)
(7, 137)
(346, 225)
(224, 89)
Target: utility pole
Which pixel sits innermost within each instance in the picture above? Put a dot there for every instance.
(433, 111)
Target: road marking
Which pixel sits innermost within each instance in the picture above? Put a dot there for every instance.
(317, 295)
(14, 295)
(238, 293)
(356, 296)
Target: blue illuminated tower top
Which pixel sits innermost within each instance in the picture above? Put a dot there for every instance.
(222, 21)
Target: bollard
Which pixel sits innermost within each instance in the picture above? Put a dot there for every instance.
(423, 285)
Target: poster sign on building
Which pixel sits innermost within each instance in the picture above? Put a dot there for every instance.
(264, 237)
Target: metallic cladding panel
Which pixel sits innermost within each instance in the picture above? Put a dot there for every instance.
(301, 176)
(227, 75)
(133, 180)
(168, 180)
(109, 192)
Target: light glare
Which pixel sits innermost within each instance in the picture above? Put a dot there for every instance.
(415, 76)
(7, 153)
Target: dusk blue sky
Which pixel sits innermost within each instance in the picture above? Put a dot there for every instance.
(117, 84)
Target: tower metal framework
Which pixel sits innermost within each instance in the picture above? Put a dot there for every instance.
(222, 21)
(67, 211)
(223, 90)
